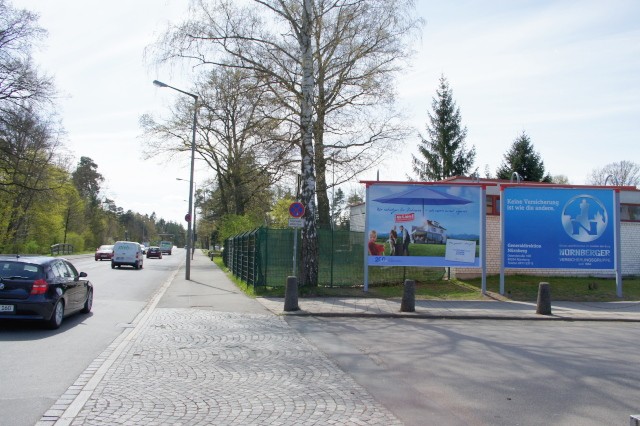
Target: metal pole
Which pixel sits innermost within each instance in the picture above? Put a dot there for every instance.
(187, 273)
(189, 243)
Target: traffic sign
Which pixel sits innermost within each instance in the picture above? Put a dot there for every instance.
(187, 217)
(296, 209)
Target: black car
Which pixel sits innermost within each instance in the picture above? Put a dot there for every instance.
(42, 288)
(154, 251)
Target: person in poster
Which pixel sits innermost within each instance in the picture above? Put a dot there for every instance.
(375, 249)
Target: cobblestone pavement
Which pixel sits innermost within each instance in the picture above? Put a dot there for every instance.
(200, 367)
(233, 360)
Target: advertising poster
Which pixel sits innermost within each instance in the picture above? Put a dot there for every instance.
(568, 228)
(423, 225)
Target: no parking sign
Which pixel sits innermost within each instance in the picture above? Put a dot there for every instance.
(296, 210)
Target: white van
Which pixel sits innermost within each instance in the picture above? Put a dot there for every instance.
(127, 253)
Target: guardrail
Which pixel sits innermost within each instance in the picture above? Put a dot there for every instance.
(58, 249)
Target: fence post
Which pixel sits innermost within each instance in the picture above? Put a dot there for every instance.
(291, 295)
(408, 297)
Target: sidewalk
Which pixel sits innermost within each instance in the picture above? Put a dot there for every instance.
(461, 309)
(202, 352)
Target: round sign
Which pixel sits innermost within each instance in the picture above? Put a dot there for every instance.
(187, 217)
(296, 209)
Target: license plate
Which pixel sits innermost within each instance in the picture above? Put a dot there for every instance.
(7, 308)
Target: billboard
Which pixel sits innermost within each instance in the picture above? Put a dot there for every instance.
(566, 228)
(424, 225)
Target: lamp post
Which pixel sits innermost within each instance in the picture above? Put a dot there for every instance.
(187, 272)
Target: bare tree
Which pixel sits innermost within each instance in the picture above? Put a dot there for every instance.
(338, 56)
(19, 78)
(622, 173)
(280, 59)
(360, 46)
(246, 148)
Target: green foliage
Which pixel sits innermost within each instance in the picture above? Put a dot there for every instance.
(32, 247)
(280, 212)
(443, 153)
(232, 224)
(78, 242)
(522, 158)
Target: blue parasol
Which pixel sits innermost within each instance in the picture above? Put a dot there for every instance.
(422, 196)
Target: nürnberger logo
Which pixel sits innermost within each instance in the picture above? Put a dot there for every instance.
(584, 218)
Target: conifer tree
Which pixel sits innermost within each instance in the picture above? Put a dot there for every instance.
(522, 158)
(443, 154)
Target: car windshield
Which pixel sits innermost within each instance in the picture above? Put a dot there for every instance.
(106, 248)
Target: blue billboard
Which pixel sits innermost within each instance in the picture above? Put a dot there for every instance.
(424, 225)
(566, 228)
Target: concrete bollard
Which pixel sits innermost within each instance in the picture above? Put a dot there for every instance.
(544, 299)
(408, 297)
(291, 295)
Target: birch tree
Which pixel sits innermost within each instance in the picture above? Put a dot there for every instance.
(336, 56)
(282, 60)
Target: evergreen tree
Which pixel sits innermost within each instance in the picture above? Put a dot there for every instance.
(87, 179)
(444, 150)
(522, 158)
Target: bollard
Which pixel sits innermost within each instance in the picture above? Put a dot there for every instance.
(291, 295)
(544, 299)
(408, 297)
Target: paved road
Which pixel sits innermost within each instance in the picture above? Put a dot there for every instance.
(203, 353)
(459, 372)
(38, 365)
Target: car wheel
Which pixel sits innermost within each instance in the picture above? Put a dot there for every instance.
(88, 304)
(56, 317)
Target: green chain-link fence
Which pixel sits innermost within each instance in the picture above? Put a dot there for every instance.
(264, 257)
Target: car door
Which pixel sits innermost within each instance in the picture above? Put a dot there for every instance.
(81, 285)
(68, 284)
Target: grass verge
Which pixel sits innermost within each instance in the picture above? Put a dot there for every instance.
(517, 288)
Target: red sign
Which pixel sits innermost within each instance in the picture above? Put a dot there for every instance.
(405, 217)
(187, 217)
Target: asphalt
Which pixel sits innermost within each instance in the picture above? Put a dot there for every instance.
(201, 352)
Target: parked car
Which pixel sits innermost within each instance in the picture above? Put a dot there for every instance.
(127, 253)
(104, 252)
(42, 288)
(154, 251)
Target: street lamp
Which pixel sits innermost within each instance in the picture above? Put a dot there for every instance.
(187, 273)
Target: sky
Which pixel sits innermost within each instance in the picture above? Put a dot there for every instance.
(567, 73)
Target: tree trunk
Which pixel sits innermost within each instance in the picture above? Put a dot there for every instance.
(324, 207)
(309, 232)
